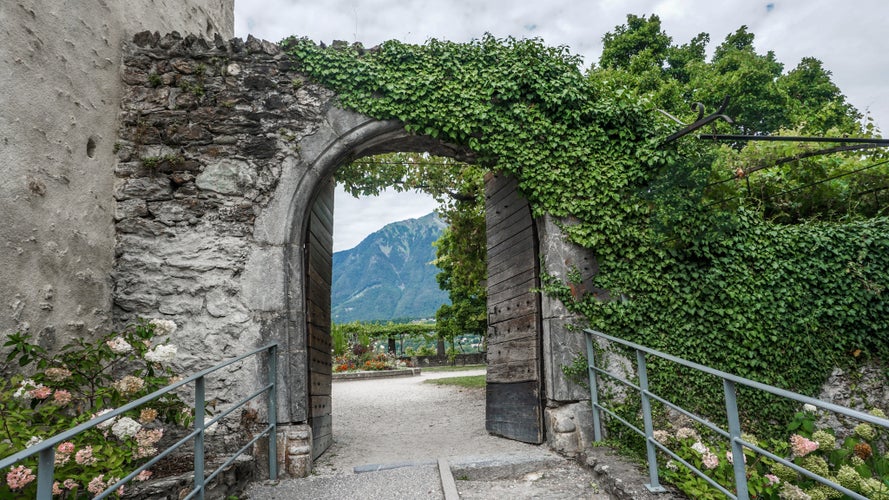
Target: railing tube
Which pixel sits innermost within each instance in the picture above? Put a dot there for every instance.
(199, 408)
(654, 486)
(734, 430)
(273, 412)
(45, 473)
(594, 387)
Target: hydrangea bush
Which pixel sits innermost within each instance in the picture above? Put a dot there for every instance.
(855, 462)
(86, 379)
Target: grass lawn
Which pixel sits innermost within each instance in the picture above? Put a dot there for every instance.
(471, 382)
(452, 368)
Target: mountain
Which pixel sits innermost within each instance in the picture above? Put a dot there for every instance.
(389, 274)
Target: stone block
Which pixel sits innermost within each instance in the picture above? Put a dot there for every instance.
(144, 188)
(227, 176)
(562, 259)
(562, 342)
(569, 428)
(294, 449)
(263, 280)
(130, 208)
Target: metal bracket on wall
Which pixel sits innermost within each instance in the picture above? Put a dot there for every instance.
(700, 122)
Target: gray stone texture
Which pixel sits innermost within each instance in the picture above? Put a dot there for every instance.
(562, 330)
(221, 149)
(60, 71)
(861, 388)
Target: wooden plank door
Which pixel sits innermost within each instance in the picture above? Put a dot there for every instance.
(319, 270)
(514, 402)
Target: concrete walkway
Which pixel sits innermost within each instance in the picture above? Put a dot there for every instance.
(390, 435)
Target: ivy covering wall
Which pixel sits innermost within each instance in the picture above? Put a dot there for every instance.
(718, 284)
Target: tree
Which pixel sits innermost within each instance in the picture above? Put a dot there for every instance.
(815, 101)
(639, 43)
(641, 56)
(461, 256)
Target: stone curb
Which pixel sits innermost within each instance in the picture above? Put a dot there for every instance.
(409, 372)
(448, 485)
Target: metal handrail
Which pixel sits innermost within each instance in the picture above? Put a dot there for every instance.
(733, 433)
(46, 448)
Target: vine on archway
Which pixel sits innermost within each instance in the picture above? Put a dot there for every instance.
(715, 284)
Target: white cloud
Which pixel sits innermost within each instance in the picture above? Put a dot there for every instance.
(355, 218)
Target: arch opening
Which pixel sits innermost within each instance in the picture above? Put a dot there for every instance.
(514, 395)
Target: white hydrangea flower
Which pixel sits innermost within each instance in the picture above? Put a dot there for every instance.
(700, 448)
(106, 424)
(163, 327)
(164, 353)
(119, 346)
(810, 408)
(35, 440)
(125, 427)
(22, 393)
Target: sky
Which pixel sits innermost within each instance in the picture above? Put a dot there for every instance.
(848, 37)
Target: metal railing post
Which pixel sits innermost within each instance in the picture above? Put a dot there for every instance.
(199, 407)
(734, 430)
(273, 413)
(45, 472)
(594, 388)
(655, 485)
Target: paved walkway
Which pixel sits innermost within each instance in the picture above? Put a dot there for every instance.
(389, 435)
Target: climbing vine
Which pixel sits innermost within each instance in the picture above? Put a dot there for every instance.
(717, 284)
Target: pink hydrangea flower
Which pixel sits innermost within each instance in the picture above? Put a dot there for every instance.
(56, 490)
(61, 397)
(19, 477)
(66, 447)
(97, 485)
(802, 446)
(143, 476)
(69, 484)
(41, 392)
(773, 479)
(84, 456)
(710, 460)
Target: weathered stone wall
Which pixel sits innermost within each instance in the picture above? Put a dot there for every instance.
(60, 65)
(206, 131)
(222, 147)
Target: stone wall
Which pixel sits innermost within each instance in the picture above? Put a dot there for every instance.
(60, 65)
(223, 145)
(206, 132)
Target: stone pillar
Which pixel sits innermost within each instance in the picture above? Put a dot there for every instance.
(568, 416)
(294, 449)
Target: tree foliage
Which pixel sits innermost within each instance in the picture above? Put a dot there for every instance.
(715, 282)
(460, 252)
(461, 256)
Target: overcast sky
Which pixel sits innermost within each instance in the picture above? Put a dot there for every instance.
(850, 37)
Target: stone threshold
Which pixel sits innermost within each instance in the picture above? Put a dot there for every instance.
(406, 372)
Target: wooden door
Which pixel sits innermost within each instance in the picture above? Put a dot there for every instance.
(514, 403)
(319, 270)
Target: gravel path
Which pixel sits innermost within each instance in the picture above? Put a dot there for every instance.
(398, 428)
(403, 419)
